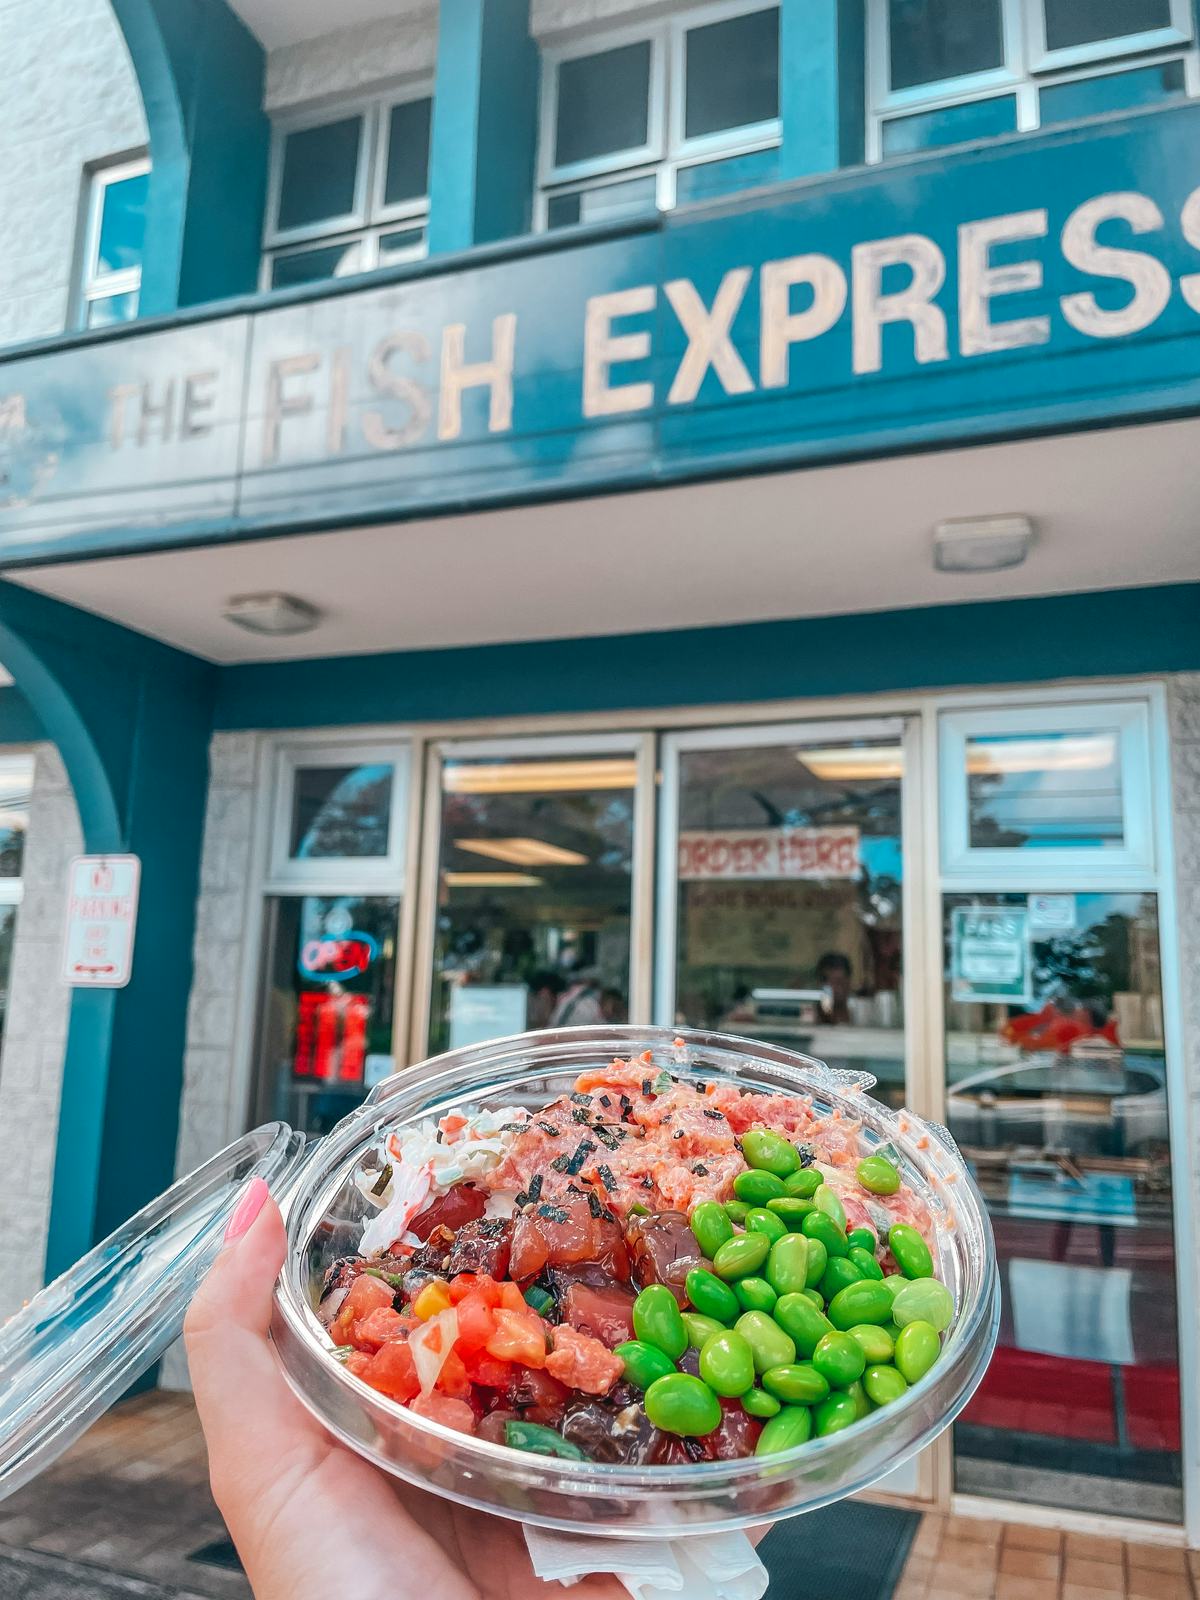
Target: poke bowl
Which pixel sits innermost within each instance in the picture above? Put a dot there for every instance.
(627, 1281)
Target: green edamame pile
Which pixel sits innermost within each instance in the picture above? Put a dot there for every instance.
(796, 1319)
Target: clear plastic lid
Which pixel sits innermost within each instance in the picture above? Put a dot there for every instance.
(75, 1348)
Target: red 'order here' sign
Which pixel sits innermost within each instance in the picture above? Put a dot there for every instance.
(706, 853)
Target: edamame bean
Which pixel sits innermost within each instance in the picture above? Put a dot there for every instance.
(924, 1300)
(862, 1406)
(818, 1225)
(877, 1175)
(787, 1264)
(792, 1209)
(884, 1384)
(682, 1404)
(770, 1152)
(793, 1426)
(865, 1261)
(917, 1348)
(910, 1250)
(860, 1302)
(742, 1255)
(771, 1345)
(699, 1327)
(760, 1220)
(758, 1403)
(827, 1201)
(803, 1184)
(818, 1260)
(797, 1384)
(894, 1282)
(834, 1414)
(862, 1239)
(657, 1320)
(877, 1344)
(710, 1296)
(839, 1274)
(755, 1294)
(644, 1363)
(839, 1359)
(756, 1187)
(711, 1226)
(727, 1363)
(736, 1211)
(815, 1295)
(802, 1322)
(892, 1330)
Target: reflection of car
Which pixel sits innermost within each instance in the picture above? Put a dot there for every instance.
(1105, 1104)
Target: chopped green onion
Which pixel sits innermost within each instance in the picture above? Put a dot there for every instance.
(341, 1351)
(637, 1209)
(661, 1083)
(540, 1299)
(394, 1280)
(541, 1441)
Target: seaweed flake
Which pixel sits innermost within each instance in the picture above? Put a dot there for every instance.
(594, 1205)
(563, 1164)
(513, 1127)
(552, 1213)
(717, 1116)
(645, 1085)
(384, 1178)
(579, 1115)
(807, 1154)
(605, 1101)
(581, 1099)
(548, 1127)
(521, 1201)
(535, 1186)
(679, 1133)
(700, 1170)
(693, 1449)
(606, 1177)
(575, 1163)
(647, 1182)
(699, 1085)
(607, 1138)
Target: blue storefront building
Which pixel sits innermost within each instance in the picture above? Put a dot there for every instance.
(543, 511)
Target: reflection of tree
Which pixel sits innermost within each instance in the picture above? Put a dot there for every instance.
(985, 832)
(350, 820)
(1089, 963)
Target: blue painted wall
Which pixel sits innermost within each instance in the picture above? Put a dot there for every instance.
(19, 722)
(1115, 632)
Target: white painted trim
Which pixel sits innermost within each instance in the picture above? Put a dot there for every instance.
(377, 874)
(1043, 59)
(92, 284)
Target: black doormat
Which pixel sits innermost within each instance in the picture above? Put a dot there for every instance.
(220, 1553)
(848, 1551)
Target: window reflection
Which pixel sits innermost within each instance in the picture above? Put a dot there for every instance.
(1045, 791)
(341, 811)
(1059, 1102)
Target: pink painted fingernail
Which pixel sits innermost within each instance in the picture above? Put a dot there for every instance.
(247, 1209)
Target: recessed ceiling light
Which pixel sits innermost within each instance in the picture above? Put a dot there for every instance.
(981, 544)
(539, 777)
(274, 614)
(523, 852)
(490, 880)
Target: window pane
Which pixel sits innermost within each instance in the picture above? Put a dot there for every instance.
(1045, 791)
(732, 73)
(1072, 22)
(407, 244)
(1111, 91)
(607, 202)
(123, 224)
(536, 872)
(326, 1024)
(340, 811)
(320, 169)
(1059, 1103)
(110, 308)
(603, 103)
(930, 130)
(408, 152)
(930, 40)
(16, 782)
(314, 266)
(789, 904)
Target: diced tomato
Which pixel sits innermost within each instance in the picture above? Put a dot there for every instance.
(604, 1313)
(454, 1414)
(463, 1203)
(486, 1370)
(475, 1283)
(582, 1362)
(358, 1363)
(394, 1372)
(520, 1336)
(453, 1380)
(380, 1328)
(476, 1323)
(366, 1294)
(512, 1299)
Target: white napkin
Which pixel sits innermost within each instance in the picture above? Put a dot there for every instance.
(715, 1566)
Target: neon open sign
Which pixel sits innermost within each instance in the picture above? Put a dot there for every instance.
(333, 959)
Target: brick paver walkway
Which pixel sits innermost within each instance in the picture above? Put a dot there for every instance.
(125, 1511)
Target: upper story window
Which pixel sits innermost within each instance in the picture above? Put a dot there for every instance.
(114, 231)
(945, 71)
(655, 115)
(349, 190)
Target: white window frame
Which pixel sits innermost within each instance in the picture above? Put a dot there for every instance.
(369, 219)
(93, 284)
(666, 149)
(1130, 865)
(360, 875)
(1028, 66)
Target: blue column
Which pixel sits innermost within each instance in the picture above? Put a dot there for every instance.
(132, 720)
(201, 75)
(485, 114)
(822, 76)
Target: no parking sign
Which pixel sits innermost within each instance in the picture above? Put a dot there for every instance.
(102, 901)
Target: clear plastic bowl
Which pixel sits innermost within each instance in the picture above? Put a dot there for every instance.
(325, 1211)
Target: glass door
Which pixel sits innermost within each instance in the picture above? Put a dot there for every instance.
(538, 905)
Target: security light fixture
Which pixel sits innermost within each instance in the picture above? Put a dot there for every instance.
(981, 544)
(274, 614)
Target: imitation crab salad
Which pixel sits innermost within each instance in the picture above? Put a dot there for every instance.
(651, 1269)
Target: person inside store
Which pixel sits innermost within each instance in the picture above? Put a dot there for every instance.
(310, 1518)
(834, 974)
(545, 991)
(581, 1004)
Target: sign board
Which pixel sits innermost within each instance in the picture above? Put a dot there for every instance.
(782, 926)
(989, 954)
(1051, 913)
(102, 902)
(483, 1011)
(768, 854)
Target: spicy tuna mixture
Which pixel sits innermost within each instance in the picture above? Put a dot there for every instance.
(649, 1269)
